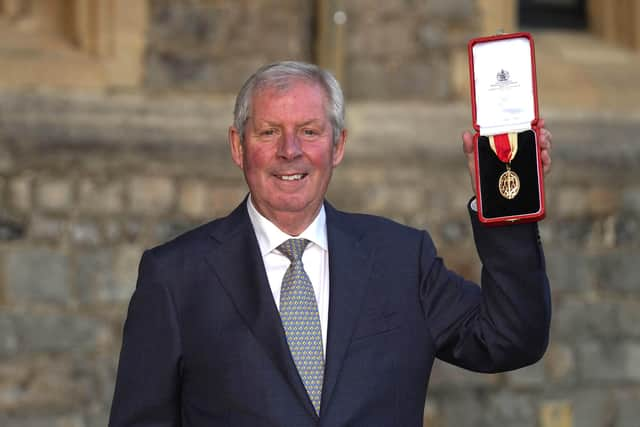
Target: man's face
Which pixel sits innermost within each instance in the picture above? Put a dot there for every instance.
(288, 153)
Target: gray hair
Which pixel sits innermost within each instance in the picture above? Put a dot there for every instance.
(279, 75)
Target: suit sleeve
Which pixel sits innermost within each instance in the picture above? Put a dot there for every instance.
(147, 384)
(502, 325)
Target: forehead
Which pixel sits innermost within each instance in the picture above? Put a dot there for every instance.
(293, 97)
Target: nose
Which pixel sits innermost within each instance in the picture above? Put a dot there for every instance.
(289, 146)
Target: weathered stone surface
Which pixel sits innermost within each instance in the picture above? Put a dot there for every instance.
(54, 194)
(575, 319)
(73, 420)
(11, 229)
(20, 193)
(153, 195)
(569, 271)
(94, 276)
(593, 407)
(100, 196)
(8, 337)
(560, 363)
(556, 414)
(444, 376)
(631, 199)
(511, 410)
(193, 199)
(619, 270)
(609, 363)
(49, 228)
(198, 45)
(466, 410)
(85, 233)
(530, 377)
(55, 333)
(629, 317)
(6, 160)
(37, 383)
(37, 274)
(125, 271)
(628, 411)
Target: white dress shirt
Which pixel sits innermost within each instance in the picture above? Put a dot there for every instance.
(315, 259)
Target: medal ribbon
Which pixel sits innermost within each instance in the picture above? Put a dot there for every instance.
(505, 146)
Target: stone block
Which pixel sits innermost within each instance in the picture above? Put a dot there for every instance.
(94, 276)
(37, 384)
(6, 160)
(508, 409)
(631, 199)
(452, 10)
(100, 197)
(11, 228)
(225, 198)
(556, 414)
(628, 412)
(574, 318)
(560, 364)
(629, 317)
(193, 199)
(529, 377)
(609, 363)
(85, 233)
(153, 195)
(569, 202)
(20, 193)
(49, 228)
(463, 409)
(627, 229)
(49, 420)
(55, 333)
(54, 194)
(8, 337)
(167, 230)
(37, 274)
(603, 201)
(445, 376)
(569, 271)
(593, 407)
(125, 271)
(619, 271)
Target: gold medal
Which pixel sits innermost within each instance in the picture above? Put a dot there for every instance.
(506, 146)
(509, 184)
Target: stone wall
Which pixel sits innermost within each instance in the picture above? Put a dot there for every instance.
(88, 181)
(90, 178)
(394, 49)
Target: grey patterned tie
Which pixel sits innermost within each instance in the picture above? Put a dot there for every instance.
(301, 321)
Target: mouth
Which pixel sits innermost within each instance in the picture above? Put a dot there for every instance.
(292, 177)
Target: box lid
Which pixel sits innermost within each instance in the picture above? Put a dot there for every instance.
(503, 83)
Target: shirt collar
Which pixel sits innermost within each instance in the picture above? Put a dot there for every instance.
(270, 236)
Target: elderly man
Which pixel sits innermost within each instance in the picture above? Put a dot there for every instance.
(289, 312)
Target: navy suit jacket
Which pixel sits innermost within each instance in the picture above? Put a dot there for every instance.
(204, 346)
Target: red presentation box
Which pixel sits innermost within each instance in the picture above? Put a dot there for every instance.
(504, 101)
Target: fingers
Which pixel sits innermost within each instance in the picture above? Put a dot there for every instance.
(545, 147)
(467, 142)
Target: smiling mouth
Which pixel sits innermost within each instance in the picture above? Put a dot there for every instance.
(296, 177)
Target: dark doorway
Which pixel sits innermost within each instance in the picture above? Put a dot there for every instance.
(565, 14)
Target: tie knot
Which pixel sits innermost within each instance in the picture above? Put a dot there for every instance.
(293, 248)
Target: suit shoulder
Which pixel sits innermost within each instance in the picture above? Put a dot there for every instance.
(192, 239)
(367, 223)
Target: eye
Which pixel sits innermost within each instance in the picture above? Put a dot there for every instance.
(309, 132)
(268, 132)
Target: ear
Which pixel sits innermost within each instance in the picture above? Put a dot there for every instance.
(338, 148)
(236, 147)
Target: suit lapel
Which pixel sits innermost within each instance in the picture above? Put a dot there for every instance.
(238, 263)
(349, 268)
